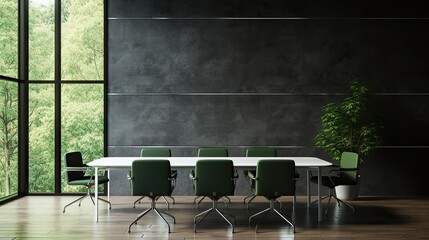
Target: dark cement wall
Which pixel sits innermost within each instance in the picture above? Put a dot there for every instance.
(194, 73)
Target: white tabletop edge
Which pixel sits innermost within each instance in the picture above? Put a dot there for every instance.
(189, 162)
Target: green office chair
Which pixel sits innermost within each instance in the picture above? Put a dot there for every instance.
(274, 179)
(256, 152)
(152, 179)
(158, 152)
(75, 176)
(347, 174)
(210, 152)
(214, 179)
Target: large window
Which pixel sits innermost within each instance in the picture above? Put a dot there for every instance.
(9, 38)
(8, 138)
(72, 105)
(8, 98)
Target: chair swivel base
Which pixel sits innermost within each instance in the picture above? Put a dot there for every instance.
(213, 208)
(153, 207)
(339, 201)
(268, 211)
(85, 196)
(254, 196)
(164, 197)
(227, 201)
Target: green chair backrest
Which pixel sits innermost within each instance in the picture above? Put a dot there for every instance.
(214, 178)
(151, 178)
(73, 159)
(275, 178)
(155, 152)
(349, 160)
(261, 152)
(212, 152)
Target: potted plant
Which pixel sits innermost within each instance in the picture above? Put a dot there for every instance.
(349, 126)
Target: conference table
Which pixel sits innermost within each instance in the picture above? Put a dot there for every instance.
(246, 163)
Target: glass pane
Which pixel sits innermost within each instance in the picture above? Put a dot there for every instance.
(82, 123)
(9, 38)
(41, 39)
(9, 138)
(41, 137)
(82, 53)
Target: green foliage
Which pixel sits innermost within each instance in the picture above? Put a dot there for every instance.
(8, 138)
(349, 126)
(9, 38)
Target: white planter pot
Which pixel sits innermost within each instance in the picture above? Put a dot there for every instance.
(348, 192)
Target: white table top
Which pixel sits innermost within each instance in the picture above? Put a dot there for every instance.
(188, 162)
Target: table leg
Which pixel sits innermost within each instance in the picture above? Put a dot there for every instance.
(308, 189)
(108, 185)
(319, 197)
(96, 195)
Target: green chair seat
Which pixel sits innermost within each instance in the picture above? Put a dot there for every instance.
(87, 180)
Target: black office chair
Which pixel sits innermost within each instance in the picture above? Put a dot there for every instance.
(274, 179)
(152, 179)
(158, 152)
(75, 176)
(347, 174)
(214, 179)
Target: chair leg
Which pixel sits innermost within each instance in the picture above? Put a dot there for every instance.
(195, 199)
(172, 198)
(226, 219)
(159, 213)
(341, 201)
(208, 211)
(168, 204)
(268, 211)
(198, 203)
(110, 205)
(79, 199)
(251, 199)
(138, 201)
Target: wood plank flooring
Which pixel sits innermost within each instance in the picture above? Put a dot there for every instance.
(41, 217)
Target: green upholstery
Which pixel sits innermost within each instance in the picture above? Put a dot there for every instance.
(151, 178)
(75, 176)
(274, 179)
(214, 179)
(159, 152)
(212, 152)
(256, 152)
(347, 174)
(259, 152)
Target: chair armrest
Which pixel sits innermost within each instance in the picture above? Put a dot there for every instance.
(341, 170)
(251, 175)
(80, 169)
(77, 169)
(173, 174)
(192, 175)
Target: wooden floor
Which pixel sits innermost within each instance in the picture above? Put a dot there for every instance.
(41, 217)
